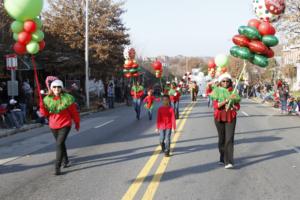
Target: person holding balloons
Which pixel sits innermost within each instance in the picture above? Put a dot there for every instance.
(226, 104)
(61, 109)
(137, 93)
(149, 103)
(175, 98)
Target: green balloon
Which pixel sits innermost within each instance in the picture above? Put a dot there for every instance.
(38, 36)
(15, 36)
(242, 30)
(250, 32)
(270, 40)
(17, 26)
(125, 71)
(23, 10)
(33, 47)
(245, 53)
(221, 60)
(234, 51)
(132, 70)
(38, 22)
(260, 61)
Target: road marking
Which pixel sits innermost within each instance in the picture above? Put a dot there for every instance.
(104, 124)
(135, 186)
(153, 186)
(246, 114)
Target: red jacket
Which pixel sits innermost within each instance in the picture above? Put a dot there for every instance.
(166, 118)
(222, 115)
(149, 100)
(176, 97)
(62, 119)
(137, 95)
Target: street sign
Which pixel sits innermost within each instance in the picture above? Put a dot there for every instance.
(12, 88)
(11, 62)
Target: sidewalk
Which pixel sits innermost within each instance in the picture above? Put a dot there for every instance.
(27, 127)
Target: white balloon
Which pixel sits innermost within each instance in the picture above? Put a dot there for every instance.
(262, 12)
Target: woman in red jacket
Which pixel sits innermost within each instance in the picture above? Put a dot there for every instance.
(165, 123)
(226, 103)
(61, 109)
(149, 103)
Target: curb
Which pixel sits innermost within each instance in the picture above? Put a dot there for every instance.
(28, 127)
(25, 128)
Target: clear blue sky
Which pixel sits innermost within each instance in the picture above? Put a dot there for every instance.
(185, 27)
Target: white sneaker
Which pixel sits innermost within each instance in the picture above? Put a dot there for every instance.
(229, 166)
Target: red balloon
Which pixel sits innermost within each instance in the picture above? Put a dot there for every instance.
(275, 7)
(19, 48)
(265, 28)
(270, 53)
(127, 75)
(135, 66)
(241, 40)
(135, 74)
(224, 70)
(157, 65)
(254, 23)
(258, 47)
(24, 38)
(30, 26)
(211, 63)
(42, 45)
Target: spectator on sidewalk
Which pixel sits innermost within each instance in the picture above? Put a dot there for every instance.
(28, 98)
(111, 95)
(15, 115)
(283, 97)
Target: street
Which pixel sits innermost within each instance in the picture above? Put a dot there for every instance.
(117, 157)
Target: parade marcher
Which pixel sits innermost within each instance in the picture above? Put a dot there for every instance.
(167, 88)
(149, 103)
(175, 98)
(60, 108)
(137, 93)
(194, 91)
(165, 123)
(226, 104)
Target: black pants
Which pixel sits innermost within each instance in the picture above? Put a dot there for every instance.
(60, 136)
(226, 140)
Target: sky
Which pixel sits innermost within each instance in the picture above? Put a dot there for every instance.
(185, 27)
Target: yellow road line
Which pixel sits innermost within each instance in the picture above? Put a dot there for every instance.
(135, 186)
(152, 188)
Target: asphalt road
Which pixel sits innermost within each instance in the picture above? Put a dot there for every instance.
(117, 157)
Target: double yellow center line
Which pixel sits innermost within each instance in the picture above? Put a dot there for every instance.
(153, 186)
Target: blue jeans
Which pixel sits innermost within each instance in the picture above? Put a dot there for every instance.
(165, 137)
(150, 114)
(110, 102)
(137, 107)
(283, 105)
(15, 119)
(24, 110)
(176, 109)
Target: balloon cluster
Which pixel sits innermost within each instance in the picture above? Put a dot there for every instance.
(221, 62)
(254, 42)
(268, 10)
(131, 68)
(158, 68)
(27, 26)
(212, 68)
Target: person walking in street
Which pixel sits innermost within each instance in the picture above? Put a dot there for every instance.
(149, 103)
(61, 109)
(137, 93)
(165, 123)
(226, 104)
(175, 98)
(194, 91)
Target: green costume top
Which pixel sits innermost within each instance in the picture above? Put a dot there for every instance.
(56, 105)
(220, 94)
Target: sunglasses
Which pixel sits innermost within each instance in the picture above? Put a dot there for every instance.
(58, 87)
(226, 81)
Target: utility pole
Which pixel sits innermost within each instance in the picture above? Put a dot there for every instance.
(87, 53)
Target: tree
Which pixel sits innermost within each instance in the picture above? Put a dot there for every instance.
(289, 24)
(65, 24)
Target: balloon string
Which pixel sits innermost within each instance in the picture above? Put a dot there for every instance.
(36, 79)
(237, 83)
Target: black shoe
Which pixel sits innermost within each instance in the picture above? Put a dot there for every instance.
(167, 153)
(57, 171)
(221, 162)
(163, 147)
(67, 164)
